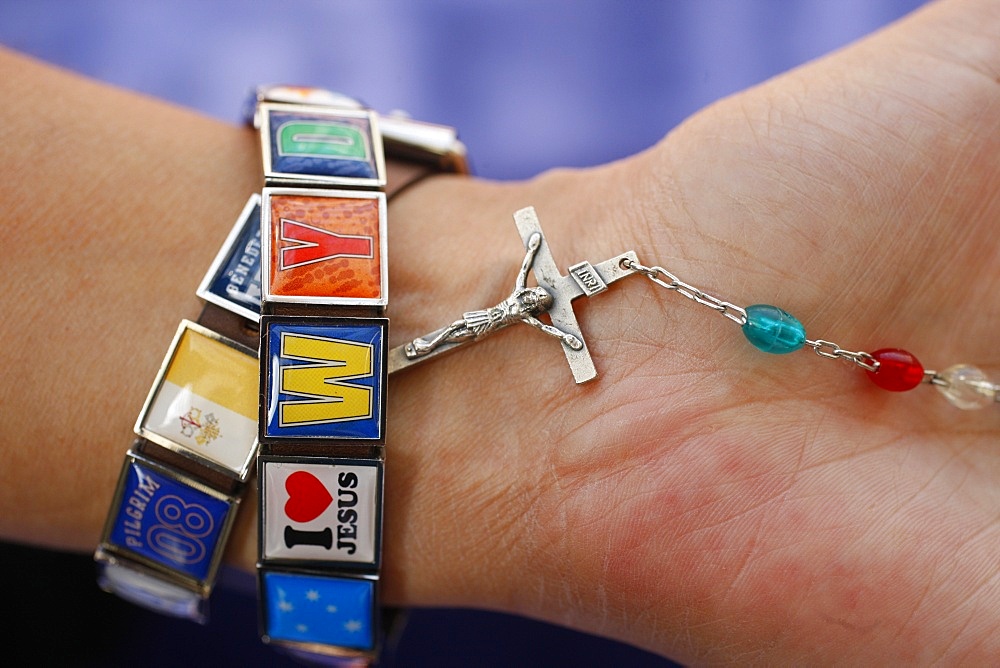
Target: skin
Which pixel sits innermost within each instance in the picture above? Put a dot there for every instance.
(700, 499)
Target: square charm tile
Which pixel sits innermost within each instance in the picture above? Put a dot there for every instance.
(168, 522)
(326, 511)
(143, 588)
(321, 146)
(324, 247)
(323, 378)
(234, 279)
(311, 609)
(204, 402)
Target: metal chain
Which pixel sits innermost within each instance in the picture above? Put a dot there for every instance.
(665, 279)
(656, 274)
(831, 350)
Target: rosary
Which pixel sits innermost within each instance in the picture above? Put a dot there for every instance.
(767, 327)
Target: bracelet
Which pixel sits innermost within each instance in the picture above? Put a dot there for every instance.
(323, 343)
(766, 327)
(185, 474)
(198, 432)
(774, 330)
(322, 378)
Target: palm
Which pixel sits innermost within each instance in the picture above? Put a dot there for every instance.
(700, 497)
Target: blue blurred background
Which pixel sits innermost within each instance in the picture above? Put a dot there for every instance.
(530, 84)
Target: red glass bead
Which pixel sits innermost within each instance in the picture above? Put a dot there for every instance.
(898, 370)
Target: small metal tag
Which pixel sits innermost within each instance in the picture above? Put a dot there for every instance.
(587, 278)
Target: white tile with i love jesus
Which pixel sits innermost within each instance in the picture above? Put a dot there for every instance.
(329, 511)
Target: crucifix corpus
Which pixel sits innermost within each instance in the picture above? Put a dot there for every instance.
(553, 295)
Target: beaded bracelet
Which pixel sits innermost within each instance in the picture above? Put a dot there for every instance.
(776, 331)
(767, 327)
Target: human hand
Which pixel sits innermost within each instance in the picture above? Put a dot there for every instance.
(701, 498)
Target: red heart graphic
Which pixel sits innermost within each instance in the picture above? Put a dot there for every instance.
(307, 497)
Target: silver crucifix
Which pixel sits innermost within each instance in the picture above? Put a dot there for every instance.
(522, 305)
(553, 295)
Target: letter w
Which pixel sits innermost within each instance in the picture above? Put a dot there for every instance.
(328, 397)
(308, 244)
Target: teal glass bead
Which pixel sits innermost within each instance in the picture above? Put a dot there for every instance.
(772, 330)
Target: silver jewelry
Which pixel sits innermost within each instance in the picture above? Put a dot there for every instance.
(554, 295)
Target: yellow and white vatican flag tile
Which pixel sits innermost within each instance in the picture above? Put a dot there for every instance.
(204, 401)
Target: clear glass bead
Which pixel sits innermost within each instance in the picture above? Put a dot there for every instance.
(966, 387)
